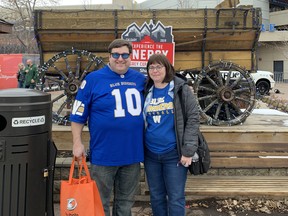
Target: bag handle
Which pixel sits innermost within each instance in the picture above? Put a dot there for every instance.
(82, 165)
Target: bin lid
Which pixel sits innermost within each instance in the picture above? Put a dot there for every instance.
(22, 95)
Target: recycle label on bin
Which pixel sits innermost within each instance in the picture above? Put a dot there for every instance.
(28, 121)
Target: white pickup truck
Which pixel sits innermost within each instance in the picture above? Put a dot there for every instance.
(264, 80)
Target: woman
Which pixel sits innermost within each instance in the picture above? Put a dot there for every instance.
(172, 124)
(21, 75)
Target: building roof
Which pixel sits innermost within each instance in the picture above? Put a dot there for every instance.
(5, 27)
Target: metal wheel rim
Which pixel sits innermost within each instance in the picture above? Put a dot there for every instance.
(224, 101)
(67, 81)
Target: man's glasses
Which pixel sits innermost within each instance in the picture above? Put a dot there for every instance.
(158, 67)
(123, 55)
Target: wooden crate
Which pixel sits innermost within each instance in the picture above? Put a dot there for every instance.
(203, 35)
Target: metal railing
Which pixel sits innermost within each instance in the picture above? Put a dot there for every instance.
(279, 77)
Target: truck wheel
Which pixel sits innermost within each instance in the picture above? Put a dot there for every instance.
(262, 87)
(62, 75)
(224, 101)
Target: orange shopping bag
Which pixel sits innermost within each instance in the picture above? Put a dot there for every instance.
(80, 196)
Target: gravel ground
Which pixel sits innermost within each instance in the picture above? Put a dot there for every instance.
(283, 91)
(279, 93)
(213, 207)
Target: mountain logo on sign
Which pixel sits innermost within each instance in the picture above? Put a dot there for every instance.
(158, 33)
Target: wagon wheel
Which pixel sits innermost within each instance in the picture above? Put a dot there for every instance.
(225, 93)
(62, 75)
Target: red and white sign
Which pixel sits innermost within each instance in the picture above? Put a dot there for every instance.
(147, 40)
(8, 70)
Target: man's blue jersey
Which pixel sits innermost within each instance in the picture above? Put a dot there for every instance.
(112, 103)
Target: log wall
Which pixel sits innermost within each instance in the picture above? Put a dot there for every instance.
(201, 36)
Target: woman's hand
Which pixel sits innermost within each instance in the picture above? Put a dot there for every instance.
(186, 161)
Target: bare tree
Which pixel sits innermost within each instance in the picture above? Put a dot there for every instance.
(20, 13)
(185, 3)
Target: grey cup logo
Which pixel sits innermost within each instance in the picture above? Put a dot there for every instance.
(71, 204)
(148, 39)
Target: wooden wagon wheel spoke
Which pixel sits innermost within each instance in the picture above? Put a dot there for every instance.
(53, 79)
(89, 65)
(66, 70)
(212, 81)
(67, 101)
(210, 105)
(219, 78)
(206, 88)
(225, 94)
(68, 67)
(236, 82)
(246, 89)
(62, 106)
(60, 72)
(243, 99)
(58, 98)
(236, 108)
(227, 111)
(207, 97)
(53, 84)
(218, 110)
(227, 82)
(78, 61)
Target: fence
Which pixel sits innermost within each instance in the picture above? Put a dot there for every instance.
(279, 77)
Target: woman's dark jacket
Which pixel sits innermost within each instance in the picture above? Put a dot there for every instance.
(187, 125)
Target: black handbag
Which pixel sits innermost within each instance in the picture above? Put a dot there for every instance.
(202, 165)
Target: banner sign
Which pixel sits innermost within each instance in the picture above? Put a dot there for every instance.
(147, 40)
(8, 70)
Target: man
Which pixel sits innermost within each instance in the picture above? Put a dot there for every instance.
(111, 99)
(31, 75)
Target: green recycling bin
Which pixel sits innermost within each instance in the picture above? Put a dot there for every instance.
(27, 153)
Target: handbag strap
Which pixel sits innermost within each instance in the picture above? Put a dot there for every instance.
(181, 99)
(80, 166)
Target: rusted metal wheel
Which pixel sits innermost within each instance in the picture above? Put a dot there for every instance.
(225, 93)
(62, 75)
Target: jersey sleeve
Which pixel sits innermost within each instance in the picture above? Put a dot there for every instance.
(81, 105)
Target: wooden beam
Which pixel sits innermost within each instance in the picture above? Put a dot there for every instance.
(233, 186)
(5, 27)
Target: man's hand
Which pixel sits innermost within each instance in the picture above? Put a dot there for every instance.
(78, 150)
(78, 147)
